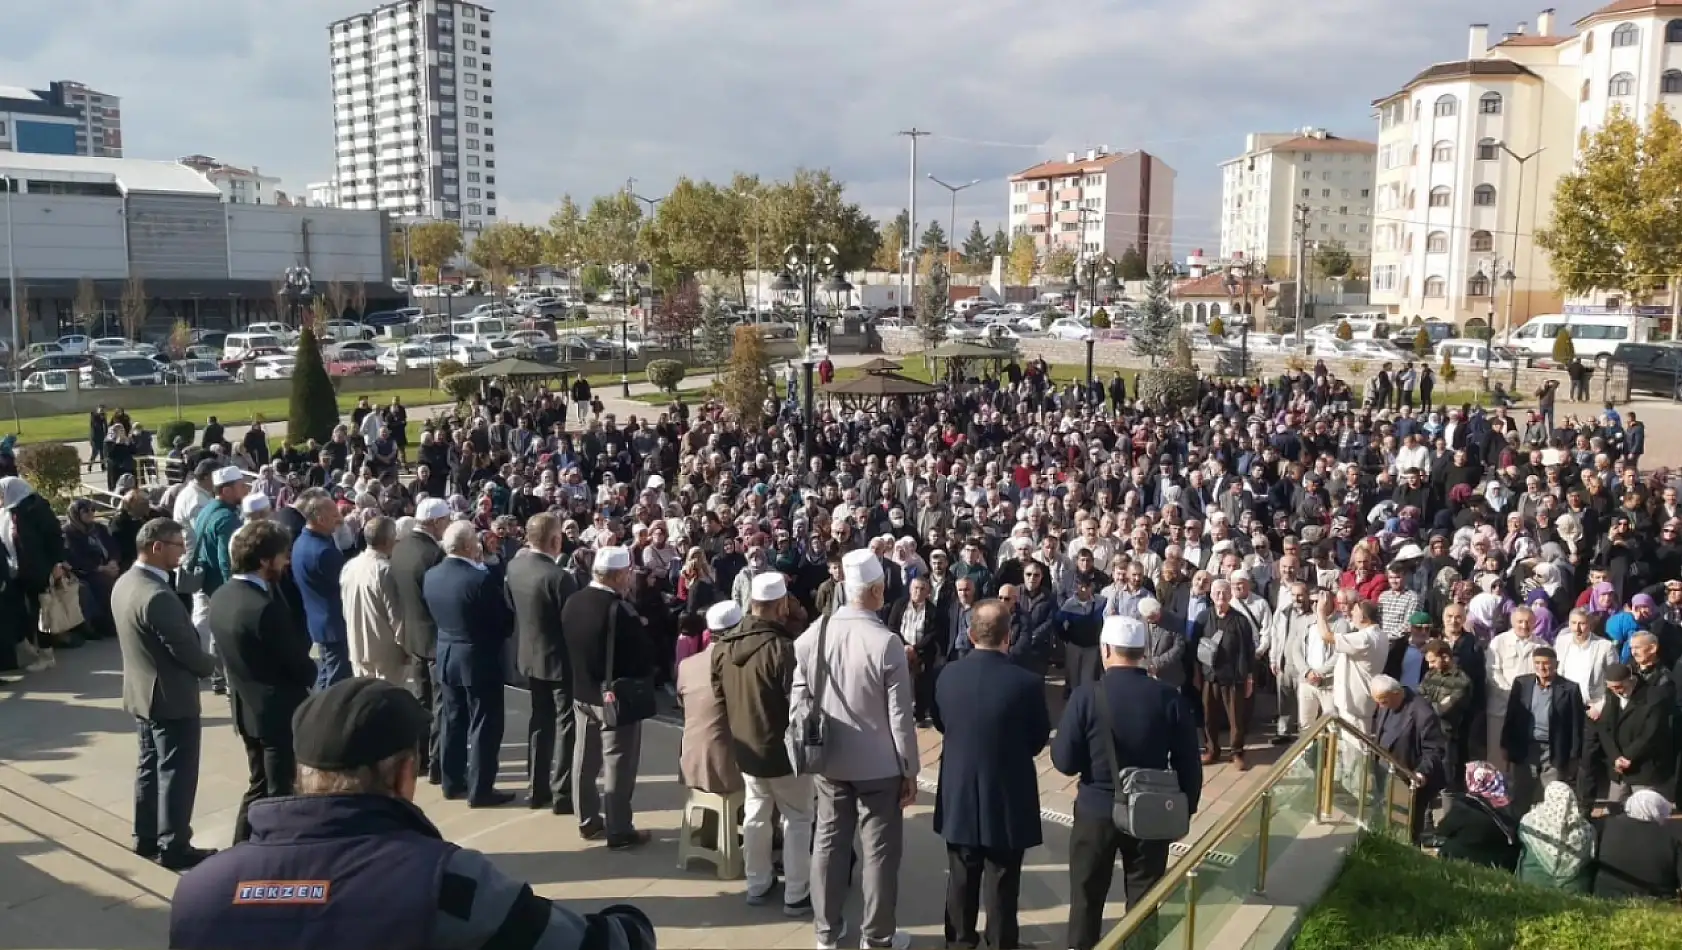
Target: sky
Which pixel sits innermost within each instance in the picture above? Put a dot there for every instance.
(592, 92)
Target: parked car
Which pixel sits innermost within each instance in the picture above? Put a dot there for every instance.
(71, 361)
(194, 371)
(279, 366)
(414, 356)
(287, 335)
(111, 344)
(367, 348)
(1069, 328)
(352, 363)
(74, 343)
(48, 381)
(1474, 353)
(122, 369)
(346, 330)
(1653, 367)
(241, 346)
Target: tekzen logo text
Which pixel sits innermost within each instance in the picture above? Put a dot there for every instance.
(281, 892)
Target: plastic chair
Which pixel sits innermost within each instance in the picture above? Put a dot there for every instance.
(726, 855)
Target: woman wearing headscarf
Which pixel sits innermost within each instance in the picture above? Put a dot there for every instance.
(1638, 853)
(34, 545)
(125, 524)
(119, 455)
(1489, 608)
(1478, 827)
(1556, 843)
(92, 555)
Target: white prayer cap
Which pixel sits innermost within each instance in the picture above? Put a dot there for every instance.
(723, 615)
(769, 587)
(255, 502)
(1149, 606)
(612, 559)
(432, 509)
(1124, 632)
(860, 569)
(655, 482)
(227, 476)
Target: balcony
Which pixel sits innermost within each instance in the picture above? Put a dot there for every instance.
(1069, 194)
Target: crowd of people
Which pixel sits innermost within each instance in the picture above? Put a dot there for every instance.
(1022, 566)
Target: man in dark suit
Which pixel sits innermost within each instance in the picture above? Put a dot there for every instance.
(993, 716)
(588, 619)
(921, 624)
(538, 587)
(410, 560)
(1633, 740)
(468, 604)
(1149, 725)
(267, 658)
(1405, 725)
(163, 663)
(1542, 736)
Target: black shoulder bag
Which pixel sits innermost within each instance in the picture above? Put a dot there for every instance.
(1149, 804)
(628, 699)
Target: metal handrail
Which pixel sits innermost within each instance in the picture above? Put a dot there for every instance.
(1331, 726)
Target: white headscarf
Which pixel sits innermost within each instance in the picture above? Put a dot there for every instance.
(1556, 834)
(1648, 805)
(13, 491)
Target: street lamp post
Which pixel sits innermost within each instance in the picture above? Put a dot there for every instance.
(952, 218)
(1509, 278)
(298, 288)
(1485, 282)
(802, 264)
(757, 279)
(1238, 285)
(12, 281)
(626, 277)
(1518, 205)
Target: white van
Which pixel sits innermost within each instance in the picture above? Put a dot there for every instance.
(1360, 328)
(1593, 335)
(479, 329)
(239, 346)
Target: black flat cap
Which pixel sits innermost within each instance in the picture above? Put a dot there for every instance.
(357, 723)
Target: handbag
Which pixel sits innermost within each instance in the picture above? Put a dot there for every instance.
(61, 606)
(628, 699)
(808, 726)
(1149, 803)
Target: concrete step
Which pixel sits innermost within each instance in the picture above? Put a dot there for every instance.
(67, 876)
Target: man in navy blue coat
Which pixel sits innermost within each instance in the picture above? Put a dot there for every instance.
(467, 603)
(316, 565)
(993, 715)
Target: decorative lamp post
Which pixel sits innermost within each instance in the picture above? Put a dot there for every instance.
(1483, 282)
(802, 265)
(625, 279)
(1508, 278)
(297, 288)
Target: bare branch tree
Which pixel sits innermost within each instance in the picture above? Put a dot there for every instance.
(134, 305)
(87, 302)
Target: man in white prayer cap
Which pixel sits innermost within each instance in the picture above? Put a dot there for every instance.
(853, 670)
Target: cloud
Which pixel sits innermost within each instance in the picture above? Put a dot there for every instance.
(592, 92)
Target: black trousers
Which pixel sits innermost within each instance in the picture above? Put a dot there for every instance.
(273, 770)
(551, 720)
(166, 785)
(423, 682)
(470, 698)
(982, 877)
(1094, 844)
(922, 687)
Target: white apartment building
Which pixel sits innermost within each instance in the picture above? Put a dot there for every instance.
(414, 111)
(239, 186)
(1469, 152)
(1261, 189)
(322, 194)
(1097, 203)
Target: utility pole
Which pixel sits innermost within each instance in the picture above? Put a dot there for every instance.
(913, 134)
(1300, 219)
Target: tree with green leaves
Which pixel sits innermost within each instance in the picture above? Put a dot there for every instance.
(1132, 265)
(811, 207)
(999, 246)
(432, 245)
(933, 240)
(1060, 263)
(696, 229)
(1158, 323)
(889, 252)
(1614, 225)
(1024, 258)
(563, 242)
(1564, 350)
(1333, 260)
(594, 278)
(978, 251)
(743, 387)
(717, 330)
(934, 295)
(611, 228)
(505, 247)
(314, 409)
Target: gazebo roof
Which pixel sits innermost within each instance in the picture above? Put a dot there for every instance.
(880, 384)
(515, 368)
(880, 365)
(969, 351)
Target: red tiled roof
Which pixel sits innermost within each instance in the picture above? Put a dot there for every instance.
(1214, 285)
(1059, 169)
(1617, 7)
(1331, 143)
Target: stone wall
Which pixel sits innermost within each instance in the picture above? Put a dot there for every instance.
(1119, 354)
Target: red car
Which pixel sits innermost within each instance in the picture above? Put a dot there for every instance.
(352, 363)
(233, 366)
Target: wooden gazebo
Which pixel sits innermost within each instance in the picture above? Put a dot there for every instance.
(875, 389)
(958, 359)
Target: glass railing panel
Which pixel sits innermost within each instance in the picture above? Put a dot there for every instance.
(1168, 927)
(1227, 877)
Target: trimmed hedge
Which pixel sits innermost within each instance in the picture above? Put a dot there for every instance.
(1178, 387)
(168, 431)
(665, 374)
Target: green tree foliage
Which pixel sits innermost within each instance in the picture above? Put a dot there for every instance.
(665, 374)
(743, 387)
(505, 248)
(433, 245)
(1132, 265)
(1158, 324)
(1019, 269)
(611, 228)
(1333, 260)
(314, 409)
(934, 239)
(699, 228)
(1422, 343)
(1100, 319)
(172, 429)
(1060, 263)
(1614, 224)
(594, 278)
(563, 242)
(887, 257)
(461, 386)
(718, 329)
(53, 469)
(1564, 350)
(999, 246)
(812, 207)
(978, 250)
(1217, 328)
(1344, 331)
(933, 297)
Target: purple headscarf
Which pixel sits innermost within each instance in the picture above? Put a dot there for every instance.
(1537, 601)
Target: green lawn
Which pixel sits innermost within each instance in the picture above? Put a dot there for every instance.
(1391, 897)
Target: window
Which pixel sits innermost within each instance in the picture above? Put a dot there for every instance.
(1623, 84)
(1583, 96)
(472, 112)
(487, 82)
(1436, 242)
(1476, 286)
(473, 127)
(1442, 152)
(489, 130)
(1483, 196)
(472, 143)
(1483, 241)
(1490, 104)
(1413, 156)
(1305, 192)
(1366, 192)
(1673, 31)
(472, 176)
(1325, 192)
(1446, 106)
(1625, 35)
(1488, 151)
(1435, 287)
(1410, 200)
(1588, 42)
(1439, 197)
(1671, 81)
(472, 192)
(471, 160)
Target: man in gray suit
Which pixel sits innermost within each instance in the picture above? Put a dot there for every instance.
(163, 664)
